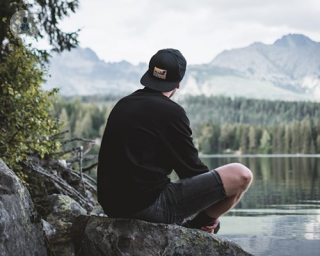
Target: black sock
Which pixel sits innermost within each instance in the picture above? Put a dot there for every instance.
(201, 220)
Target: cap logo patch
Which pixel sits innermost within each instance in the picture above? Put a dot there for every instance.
(160, 73)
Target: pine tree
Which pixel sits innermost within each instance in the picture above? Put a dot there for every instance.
(306, 138)
(244, 139)
(287, 140)
(318, 144)
(265, 143)
(252, 140)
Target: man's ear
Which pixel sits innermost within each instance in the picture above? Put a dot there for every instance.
(178, 86)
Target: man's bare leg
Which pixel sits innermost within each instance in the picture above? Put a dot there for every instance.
(236, 179)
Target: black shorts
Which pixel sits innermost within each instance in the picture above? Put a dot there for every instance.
(184, 198)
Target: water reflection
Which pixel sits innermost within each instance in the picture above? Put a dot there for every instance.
(278, 182)
(280, 213)
(312, 229)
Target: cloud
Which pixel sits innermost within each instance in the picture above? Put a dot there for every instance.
(135, 30)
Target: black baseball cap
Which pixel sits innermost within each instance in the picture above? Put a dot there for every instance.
(166, 70)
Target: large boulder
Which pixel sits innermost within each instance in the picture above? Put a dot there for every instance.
(21, 230)
(103, 236)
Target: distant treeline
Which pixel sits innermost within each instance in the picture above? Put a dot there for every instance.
(292, 138)
(220, 124)
(223, 124)
(83, 119)
(225, 110)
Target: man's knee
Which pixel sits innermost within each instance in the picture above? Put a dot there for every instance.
(236, 177)
(245, 175)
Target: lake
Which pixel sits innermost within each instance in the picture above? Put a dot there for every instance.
(280, 213)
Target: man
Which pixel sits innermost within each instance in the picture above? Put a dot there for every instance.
(146, 137)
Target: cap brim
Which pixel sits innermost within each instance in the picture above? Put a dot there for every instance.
(156, 84)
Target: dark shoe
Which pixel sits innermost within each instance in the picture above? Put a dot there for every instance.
(217, 228)
(185, 223)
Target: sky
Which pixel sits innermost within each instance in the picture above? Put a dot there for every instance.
(201, 29)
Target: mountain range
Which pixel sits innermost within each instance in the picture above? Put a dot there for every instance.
(288, 69)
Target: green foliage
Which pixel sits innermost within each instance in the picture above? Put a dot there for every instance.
(223, 110)
(25, 120)
(251, 126)
(265, 143)
(85, 118)
(292, 138)
(266, 126)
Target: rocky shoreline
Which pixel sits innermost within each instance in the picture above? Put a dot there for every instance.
(58, 225)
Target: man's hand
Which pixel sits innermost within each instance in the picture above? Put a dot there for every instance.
(214, 228)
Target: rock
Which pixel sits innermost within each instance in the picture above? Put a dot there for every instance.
(97, 210)
(48, 229)
(60, 207)
(20, 226)
(103, 236)
(59, 212)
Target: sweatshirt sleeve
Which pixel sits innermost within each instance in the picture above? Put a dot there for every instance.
(184, 157)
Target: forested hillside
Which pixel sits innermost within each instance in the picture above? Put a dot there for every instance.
(223, 110)
(220, 124)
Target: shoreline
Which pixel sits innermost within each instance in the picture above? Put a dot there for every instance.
(257, 155)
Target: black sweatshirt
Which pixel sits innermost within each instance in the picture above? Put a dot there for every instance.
(146, 137)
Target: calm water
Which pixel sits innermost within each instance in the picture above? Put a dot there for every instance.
(280, 213)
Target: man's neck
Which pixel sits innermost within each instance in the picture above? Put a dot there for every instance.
(169, 94)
